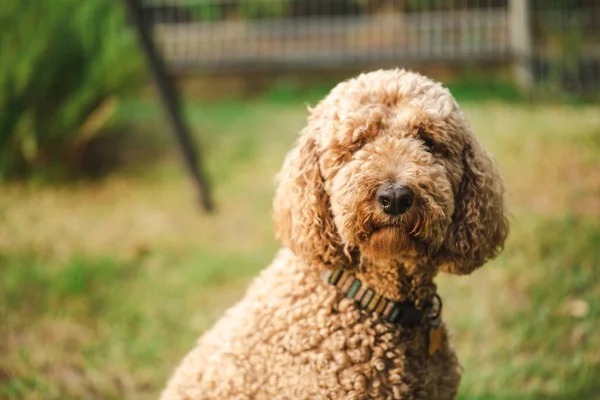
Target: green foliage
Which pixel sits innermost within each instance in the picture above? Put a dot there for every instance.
(263, 8)
(420, 4)
(63, 66)
(248, 10)
(207, 12)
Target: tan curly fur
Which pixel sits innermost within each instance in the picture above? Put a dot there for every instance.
(294, 337)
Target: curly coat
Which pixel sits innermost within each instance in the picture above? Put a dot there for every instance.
(294, 337)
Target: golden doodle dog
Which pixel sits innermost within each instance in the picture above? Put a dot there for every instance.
(385, 187)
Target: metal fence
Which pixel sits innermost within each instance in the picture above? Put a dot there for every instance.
(565, 50)
(553, 41)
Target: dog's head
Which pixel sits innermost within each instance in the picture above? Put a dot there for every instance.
(387, 167)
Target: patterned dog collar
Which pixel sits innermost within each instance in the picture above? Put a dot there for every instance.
(400, 313)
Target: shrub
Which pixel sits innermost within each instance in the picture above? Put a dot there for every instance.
(64, 65)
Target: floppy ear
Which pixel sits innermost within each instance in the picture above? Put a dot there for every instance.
(479, 225)
(301, 211)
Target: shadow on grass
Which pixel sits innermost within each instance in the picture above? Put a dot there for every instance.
(126, 147)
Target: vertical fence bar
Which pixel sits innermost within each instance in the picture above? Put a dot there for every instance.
(520, 39)
(170, 100)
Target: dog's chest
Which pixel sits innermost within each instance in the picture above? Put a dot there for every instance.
(315, 344)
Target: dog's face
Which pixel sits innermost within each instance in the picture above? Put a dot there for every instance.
(387, 168)
(394, 196)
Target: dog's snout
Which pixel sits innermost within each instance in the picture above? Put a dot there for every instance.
(395, 199)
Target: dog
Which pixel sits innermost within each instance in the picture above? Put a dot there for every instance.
(385, 187)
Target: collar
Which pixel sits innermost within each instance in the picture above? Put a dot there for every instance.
(400, 313)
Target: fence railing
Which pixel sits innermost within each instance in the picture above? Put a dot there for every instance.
(330, 41)
(543, 38)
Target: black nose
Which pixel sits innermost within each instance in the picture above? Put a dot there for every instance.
(395, 199)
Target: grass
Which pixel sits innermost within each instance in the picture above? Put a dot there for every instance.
(104, 285)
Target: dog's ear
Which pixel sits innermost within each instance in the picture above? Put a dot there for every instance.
(479, 225)
(301, 210)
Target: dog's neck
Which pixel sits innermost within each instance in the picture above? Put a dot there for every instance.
(398, 280)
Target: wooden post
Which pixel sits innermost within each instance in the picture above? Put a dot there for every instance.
(170, 101)
(520, 40)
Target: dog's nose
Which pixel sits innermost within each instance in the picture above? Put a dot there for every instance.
(395, 199)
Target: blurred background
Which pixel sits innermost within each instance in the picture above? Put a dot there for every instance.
(109, 268)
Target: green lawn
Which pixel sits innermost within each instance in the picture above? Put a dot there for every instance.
(104, 285)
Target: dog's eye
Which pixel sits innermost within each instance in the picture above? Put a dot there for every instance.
(427, 141)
